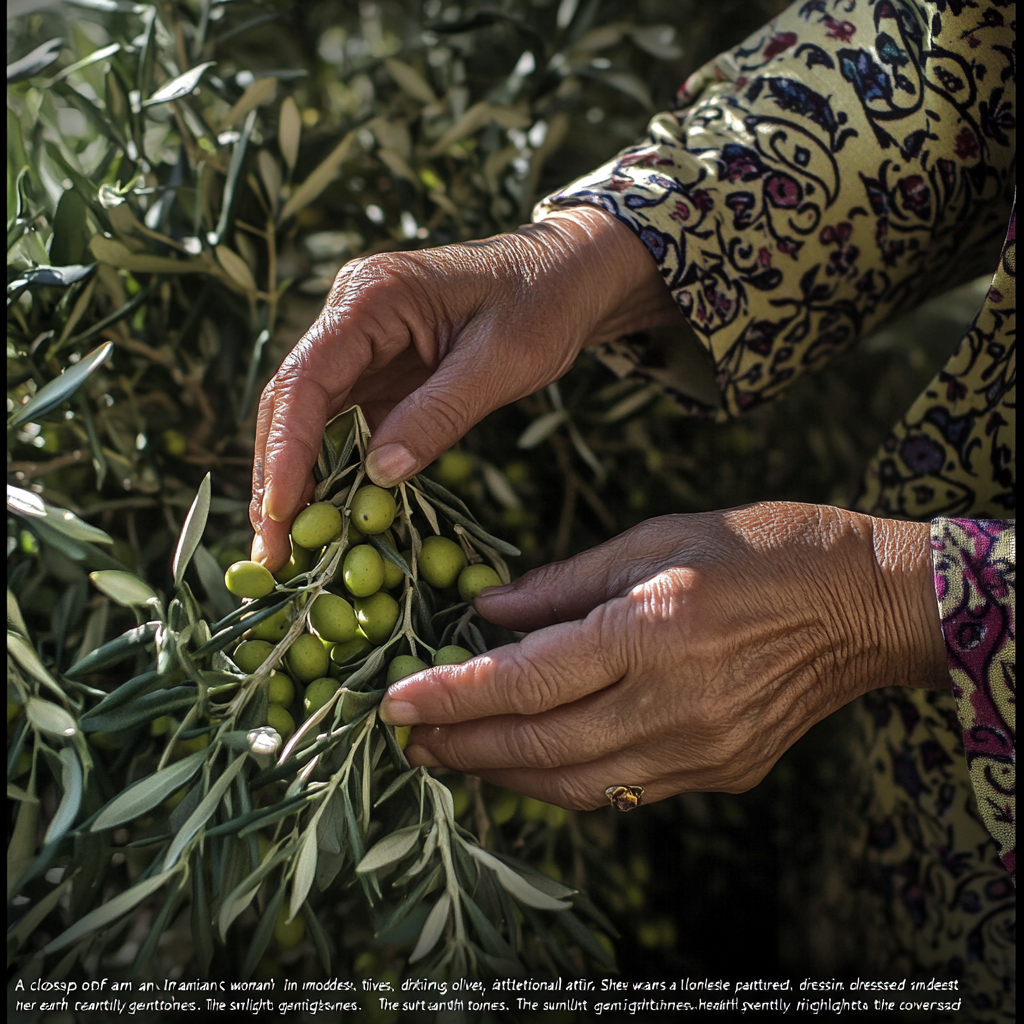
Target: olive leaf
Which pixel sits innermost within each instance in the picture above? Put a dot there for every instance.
(192, 531)
(389, 850)
(32, 63)
(319, 179)
(432, 928)
(181, 86)
(31, 506)
(71, 801)
(124, 588)
(115, 651)
(63, 387)
(108, 912)
(514, 883)
(145, 794)
(202, 813)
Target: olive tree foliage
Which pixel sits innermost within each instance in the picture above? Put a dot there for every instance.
(182, 177)
(185, 178)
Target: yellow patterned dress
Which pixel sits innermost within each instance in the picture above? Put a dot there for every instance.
(840, 166)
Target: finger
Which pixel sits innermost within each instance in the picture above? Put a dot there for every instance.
(272, 546)
(554, 666)
(594, 726)
(572, 588)
(476, 377)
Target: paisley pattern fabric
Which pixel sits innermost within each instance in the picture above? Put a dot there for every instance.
(837, 168)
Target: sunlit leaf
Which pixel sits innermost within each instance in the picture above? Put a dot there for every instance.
(432, 929)
(31, 506)
(71, 801)
(410, 81)
(192, 531)
(180, 86)
(261, 91)
(289, 129)
(124, 588)
(61, 388)
(145, 794)
(97, 55)
(319, 179)
(389, 850)
(50, 718)
(32, 63)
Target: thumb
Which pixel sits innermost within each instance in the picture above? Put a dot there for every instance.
(571, 589)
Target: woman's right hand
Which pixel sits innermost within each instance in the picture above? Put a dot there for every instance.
(429, 342)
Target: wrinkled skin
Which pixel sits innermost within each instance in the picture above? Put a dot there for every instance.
(688, 653)
(430, 342)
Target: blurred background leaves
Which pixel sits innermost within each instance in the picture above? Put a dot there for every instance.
(184, 181)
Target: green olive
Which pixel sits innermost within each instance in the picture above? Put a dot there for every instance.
(250, 654)
(298, 562)
(393, 576)
(342, 655)
(441, 561)
(373, 509)
(454, 468)
(248, 579)
(377, 615)
(307, 658)
(363, 571)
(452, 655)
(333, 619)
(475, 578)
(280, 690)
(273, 628)
(316, 525)
(288, 933)
(229, 556)
(318, 693)
(404, 665)
(340, 427)
(278, 718)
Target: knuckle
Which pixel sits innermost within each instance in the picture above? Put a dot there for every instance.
(528, 743)
(572, 793)
(533, 687)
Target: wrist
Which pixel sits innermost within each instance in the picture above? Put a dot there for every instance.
(627, 291)
(908, 606)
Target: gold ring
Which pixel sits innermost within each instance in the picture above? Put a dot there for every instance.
(624, 798)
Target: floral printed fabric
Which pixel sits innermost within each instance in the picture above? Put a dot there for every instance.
(838, 167)
(975, 563)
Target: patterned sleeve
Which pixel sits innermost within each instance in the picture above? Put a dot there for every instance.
(974, 563)
(848, 160)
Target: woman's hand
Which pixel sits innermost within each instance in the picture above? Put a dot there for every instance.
(687, 654)
(429, 342)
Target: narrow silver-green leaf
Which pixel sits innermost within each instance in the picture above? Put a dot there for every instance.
(389, 850)
(305, 870)
(541, 428)
(28, 504)
(202, 813)
(50, 718)
(61, 388)
(432, 928)
(97, 55)
(148, 792)
(25, 655)
(108, 912)
(124, 588)
(71, 801)
(192, 531)
(514, 883)
(116, 650)
(32, 63)
(181, 86)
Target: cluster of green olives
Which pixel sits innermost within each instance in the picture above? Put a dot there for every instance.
(345, 627)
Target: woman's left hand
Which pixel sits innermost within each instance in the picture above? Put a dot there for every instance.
(686, 654)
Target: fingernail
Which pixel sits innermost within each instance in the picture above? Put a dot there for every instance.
(269, 509)
(399, 712)
(420, 757)
(259, 549)
(390, 464)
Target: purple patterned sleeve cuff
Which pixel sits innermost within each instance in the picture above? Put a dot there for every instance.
(974, 562)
